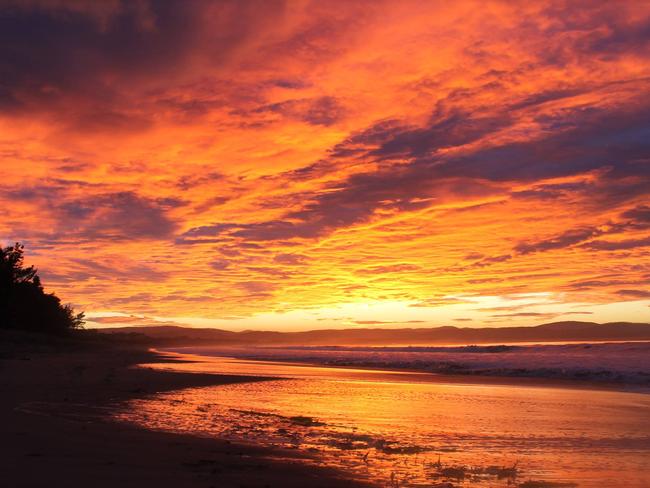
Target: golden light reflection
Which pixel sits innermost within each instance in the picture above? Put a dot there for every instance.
(414, 428)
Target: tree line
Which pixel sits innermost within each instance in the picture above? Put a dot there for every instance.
(24, 304)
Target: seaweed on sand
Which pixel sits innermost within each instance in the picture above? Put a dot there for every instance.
(461, 473)
(297, 420)
(500, 472)
(390, 448)
(457, 473)
(305, 421)
(355, 442)
(546, 484)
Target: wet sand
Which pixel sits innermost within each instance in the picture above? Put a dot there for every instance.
(415, 429)
(43, 445)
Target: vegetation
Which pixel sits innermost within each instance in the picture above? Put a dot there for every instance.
(24, 304)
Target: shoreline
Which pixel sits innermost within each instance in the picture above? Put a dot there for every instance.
(57, 430)
(468, 378)
(397, 423)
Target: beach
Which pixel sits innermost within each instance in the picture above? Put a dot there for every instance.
(324, 244)
(56, 430)
(124, 416)
(410, 429)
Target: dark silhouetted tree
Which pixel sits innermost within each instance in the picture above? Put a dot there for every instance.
(24, 304)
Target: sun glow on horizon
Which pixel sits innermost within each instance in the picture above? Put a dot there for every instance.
(459, 311)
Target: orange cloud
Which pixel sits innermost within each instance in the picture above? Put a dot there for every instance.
(249, 163)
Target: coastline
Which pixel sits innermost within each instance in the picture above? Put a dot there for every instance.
(56, 430)
(444, 369)
(400, 423)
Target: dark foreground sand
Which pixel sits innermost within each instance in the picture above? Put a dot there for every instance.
(43, 445)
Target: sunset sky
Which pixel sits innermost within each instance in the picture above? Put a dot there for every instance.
(330, 164)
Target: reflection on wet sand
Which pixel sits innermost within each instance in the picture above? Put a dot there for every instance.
(405, 429)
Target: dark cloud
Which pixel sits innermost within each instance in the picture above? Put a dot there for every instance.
(91, 59)
(208, 230)
(491, 260)
(316, 111)
(124, 270)
(112, 216)
(566, 239)
(585, 140)
(578, 142)
(455, 129)
(639, 217)
(187, 182)
(182, 241)
(258, 288)
(74, 54)
(473, 256)
(361, 142)
(634, 294)
(480, 281)
(632, 219)
(291, 259)
(357, 199)
(618, 37)
(625, 244)
(268, 270)
(77, 270)
(123, 215)
(607, 282)
(290, 84)
(220, 264)
(554, 191)
(546, 96)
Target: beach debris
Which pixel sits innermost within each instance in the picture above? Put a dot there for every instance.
(391, 449)
(457, 473)
(301, 420)
(476, 474)
(504, 472)
(547, 484)
(305, 421)
(500, 472)
(394, 481)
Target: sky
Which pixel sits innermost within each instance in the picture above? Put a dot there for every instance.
(330, 164)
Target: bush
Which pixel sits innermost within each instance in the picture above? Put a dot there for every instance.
(24, 305)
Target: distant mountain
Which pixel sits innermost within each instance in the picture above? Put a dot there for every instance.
(552, 332)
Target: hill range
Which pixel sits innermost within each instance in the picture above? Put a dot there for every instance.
(446, 335)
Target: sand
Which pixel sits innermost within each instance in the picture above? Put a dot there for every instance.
(43, 444)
